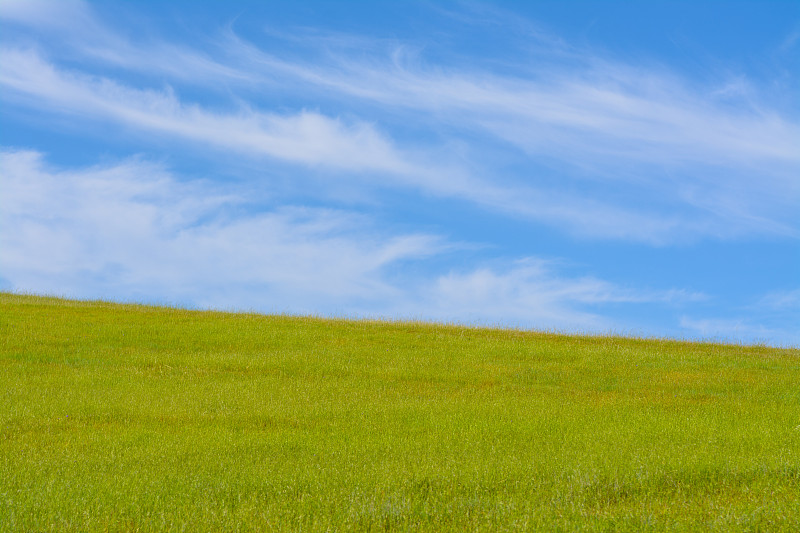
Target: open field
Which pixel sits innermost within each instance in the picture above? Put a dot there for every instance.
(121, 417)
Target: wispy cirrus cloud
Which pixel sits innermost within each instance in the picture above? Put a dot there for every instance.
(722, 161)
(305, 137)
(614, 150)
(598, 105)
(66, 14)
(313, 140)
(76, 30)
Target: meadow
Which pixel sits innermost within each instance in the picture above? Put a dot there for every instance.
(134, 418)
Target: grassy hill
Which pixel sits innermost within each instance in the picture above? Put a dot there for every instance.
(125, 417)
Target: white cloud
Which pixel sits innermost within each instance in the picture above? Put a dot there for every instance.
(738, 329)
(313, 140)
(595, 104)
(781, 300)
(78, 30)
(575, 99)
(305, 137)
(770, 318)
(722, 164)
(614, 150)
(790, 41)
(132, 230)
(527, 293)
(46, 13)
(530, 293)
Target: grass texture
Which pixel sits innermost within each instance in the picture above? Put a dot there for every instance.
(133, 418)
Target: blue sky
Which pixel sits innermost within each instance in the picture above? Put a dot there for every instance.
(628, 167)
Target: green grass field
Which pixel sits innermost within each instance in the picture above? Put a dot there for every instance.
(123, 417)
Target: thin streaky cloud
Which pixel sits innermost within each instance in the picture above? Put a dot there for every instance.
(787, 300)
(599, 97)
(611, 122)
(306, 137)
(76, 27)
(614, 123)
(790, 42)
(595, 96)
(312, 139)
(47, 14)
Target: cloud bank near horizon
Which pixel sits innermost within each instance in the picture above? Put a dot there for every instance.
(118, 231)
(330, 134)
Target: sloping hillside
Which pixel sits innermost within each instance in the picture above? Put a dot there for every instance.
(125, 417)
